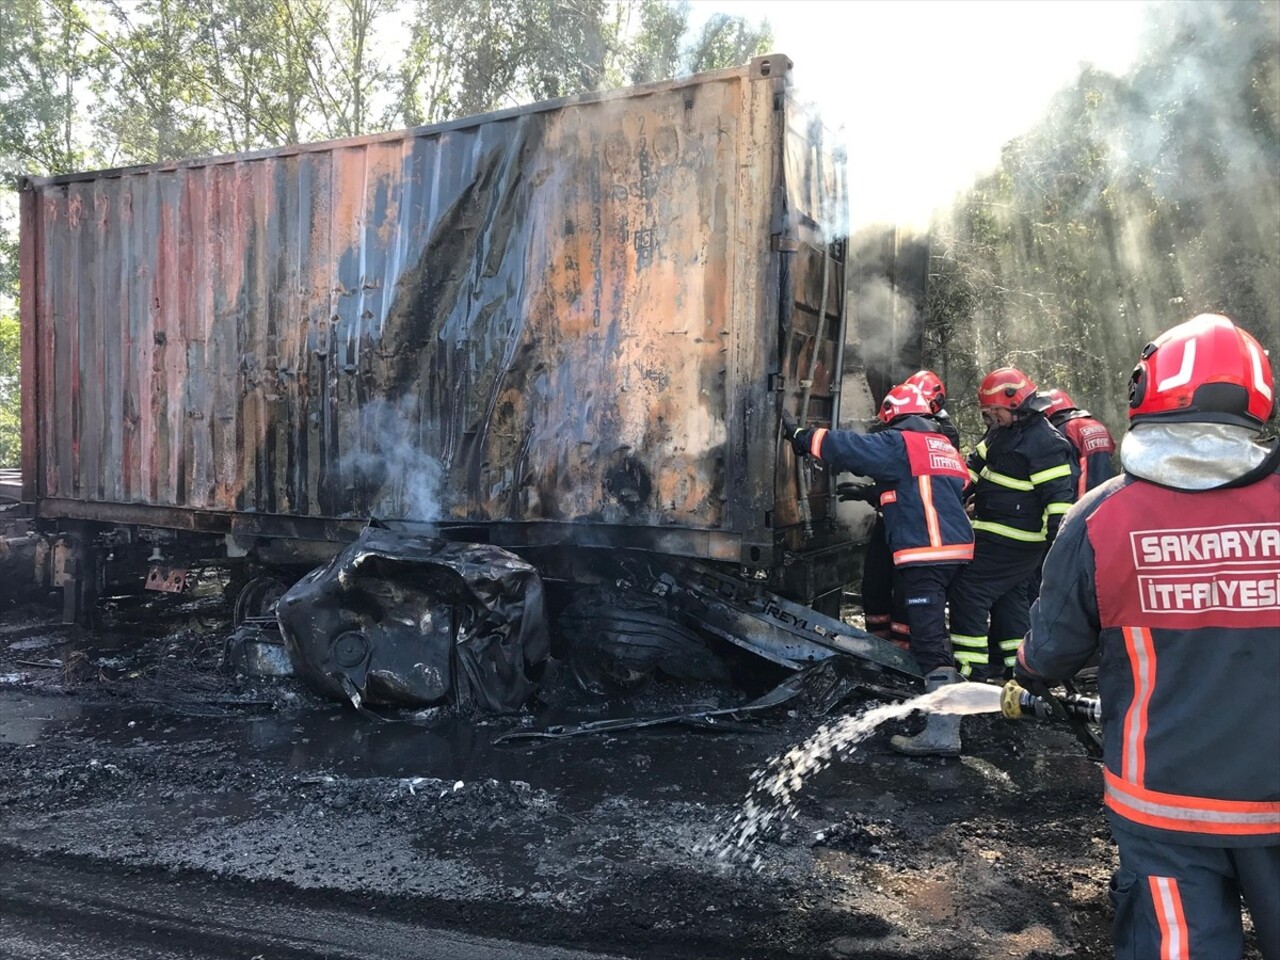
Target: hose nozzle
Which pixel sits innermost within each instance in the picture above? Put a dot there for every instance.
(1015, 703)
(1011, 700)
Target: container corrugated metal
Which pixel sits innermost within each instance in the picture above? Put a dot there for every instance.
(564, 323)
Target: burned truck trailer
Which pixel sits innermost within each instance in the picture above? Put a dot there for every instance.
(566, 329)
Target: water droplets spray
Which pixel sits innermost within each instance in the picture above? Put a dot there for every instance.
(772, 794)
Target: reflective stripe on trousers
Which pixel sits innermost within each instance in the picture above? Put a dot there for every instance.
(1180, 902)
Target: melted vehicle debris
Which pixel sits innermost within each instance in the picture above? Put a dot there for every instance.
(414, 621)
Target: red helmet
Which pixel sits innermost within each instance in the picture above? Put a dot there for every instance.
(1006, 387)
(1206, 370)
(903, 400)
(930, 385)
(1059, 402)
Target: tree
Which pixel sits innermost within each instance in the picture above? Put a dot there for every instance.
(153, 90)
(346, 70)
(43, 57)
(464, 59)
(262, 56)
(1136, 203)
(10, 393)
(725, 41)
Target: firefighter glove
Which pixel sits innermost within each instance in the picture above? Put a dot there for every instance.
(864, 492)
(1036, 686)
(795, 435)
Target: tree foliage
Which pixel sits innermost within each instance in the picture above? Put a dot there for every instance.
(10, 393)
(465, 59)
(45, 55)
(1136, 203)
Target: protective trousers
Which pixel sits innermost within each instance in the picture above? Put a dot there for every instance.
(882, 607)
(923, 589)
(993, 587)
(1173, 900)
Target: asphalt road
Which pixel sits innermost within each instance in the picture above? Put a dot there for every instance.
(55, 910)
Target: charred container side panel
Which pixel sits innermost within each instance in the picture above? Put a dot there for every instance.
(811, 329)
(559, 318)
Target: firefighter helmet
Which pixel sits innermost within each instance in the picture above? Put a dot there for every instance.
(1059, 402)
(903, 400)
(1207, 370)
(931, 386)
(1006, 387)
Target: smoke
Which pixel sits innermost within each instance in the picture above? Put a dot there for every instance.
(887, 322)
(1138, 200)
(925, 94)
(396, 478)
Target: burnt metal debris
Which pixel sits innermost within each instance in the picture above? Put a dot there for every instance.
(414, 621)
(819, 687)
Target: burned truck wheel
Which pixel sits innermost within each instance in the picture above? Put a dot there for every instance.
(597, 672)
(257, 598)
(616, 641)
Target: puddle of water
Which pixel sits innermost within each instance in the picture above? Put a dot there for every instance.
(774, 787)
(25, 720)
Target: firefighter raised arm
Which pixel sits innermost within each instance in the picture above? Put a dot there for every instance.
(919, 476)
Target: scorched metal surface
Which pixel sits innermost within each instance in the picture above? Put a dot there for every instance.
(566, 323)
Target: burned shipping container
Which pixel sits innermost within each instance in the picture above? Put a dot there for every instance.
(565, 326)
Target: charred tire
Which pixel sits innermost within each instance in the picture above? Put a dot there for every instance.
(257, 598)
(617, 641)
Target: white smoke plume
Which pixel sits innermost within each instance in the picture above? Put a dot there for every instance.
(402, 480)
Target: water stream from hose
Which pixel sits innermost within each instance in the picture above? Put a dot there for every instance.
(771, 797)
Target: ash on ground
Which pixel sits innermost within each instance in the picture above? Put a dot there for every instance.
(133, 748)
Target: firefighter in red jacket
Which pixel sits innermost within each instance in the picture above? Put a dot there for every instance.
(1090, 439)
(1022, 484)
(930, 384)
(882, 601)
(919, 479)
(1172, 572)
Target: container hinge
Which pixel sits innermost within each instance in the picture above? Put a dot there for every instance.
(781, 243)
(777, 383)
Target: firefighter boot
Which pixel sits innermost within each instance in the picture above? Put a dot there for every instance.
(941, 734)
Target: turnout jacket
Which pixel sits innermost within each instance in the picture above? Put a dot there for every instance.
(1022, 480)
(1180, 590)
(946, 425)
(919, 478)
(1091, 443)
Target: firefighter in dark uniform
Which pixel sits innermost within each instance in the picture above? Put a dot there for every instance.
(882, 604)
(1091, 441)
(919, 477)
(1022, 483)
(1091, 446)
(1172, 572)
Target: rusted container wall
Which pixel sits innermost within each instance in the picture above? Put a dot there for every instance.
(564, 316)
(812, 331)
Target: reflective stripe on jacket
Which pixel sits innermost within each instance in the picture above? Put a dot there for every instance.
(1023, 481)
(1181, 592)
(919, 477)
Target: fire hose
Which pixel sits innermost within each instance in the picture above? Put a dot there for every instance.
(1078, 712)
